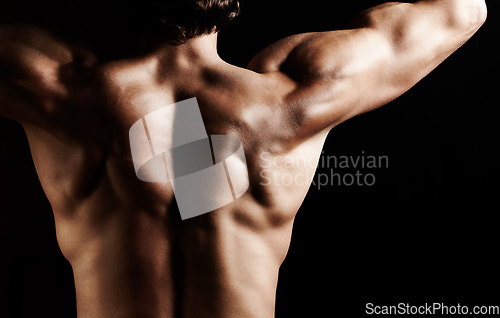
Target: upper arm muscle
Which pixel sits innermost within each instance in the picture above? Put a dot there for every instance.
(390, 48)
(415, 38)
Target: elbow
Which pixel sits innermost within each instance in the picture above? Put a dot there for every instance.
(469, 15)
(479, 14)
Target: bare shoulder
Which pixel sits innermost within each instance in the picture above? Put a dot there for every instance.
(273, 56)
(312, 54)
(37, 68)
(319, 65)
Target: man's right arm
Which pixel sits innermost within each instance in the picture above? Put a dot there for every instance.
(33, 63)
(391, 47)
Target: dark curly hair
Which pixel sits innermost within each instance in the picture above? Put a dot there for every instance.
(180, 20)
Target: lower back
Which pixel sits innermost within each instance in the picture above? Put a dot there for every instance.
(136, 263)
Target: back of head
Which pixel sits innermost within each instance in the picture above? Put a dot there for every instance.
(177, 21)
(113, 27)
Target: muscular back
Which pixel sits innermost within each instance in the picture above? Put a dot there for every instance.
(131, 254)
(113, 227)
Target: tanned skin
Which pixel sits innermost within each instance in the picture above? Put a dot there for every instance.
(131, 254)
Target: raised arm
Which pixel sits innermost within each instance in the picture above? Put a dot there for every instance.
(33, 64)
(390, 48)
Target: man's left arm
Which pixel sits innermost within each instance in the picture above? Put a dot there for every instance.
(341, 74)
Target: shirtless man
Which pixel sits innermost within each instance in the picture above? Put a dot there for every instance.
(131, 254)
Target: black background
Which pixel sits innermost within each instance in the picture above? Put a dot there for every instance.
(426, 231)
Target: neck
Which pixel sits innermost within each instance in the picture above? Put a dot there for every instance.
(201, 50)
